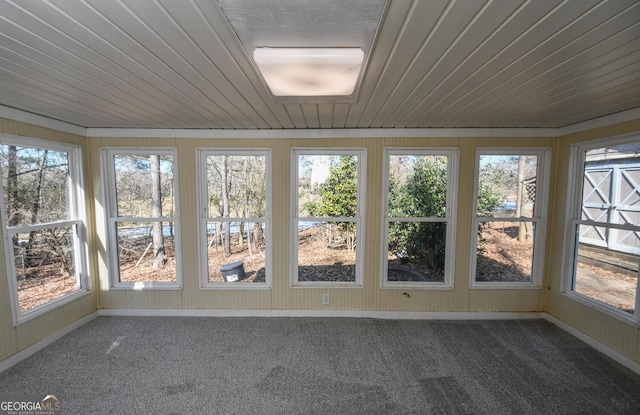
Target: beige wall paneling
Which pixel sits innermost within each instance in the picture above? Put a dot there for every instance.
(618, 335)
(307, 298)
(282, 297)
(621, 336)
(491, 300)
(15, 339)
(190, 296)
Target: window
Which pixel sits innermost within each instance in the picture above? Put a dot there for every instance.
(44, 227)
(604, 228)
(142, 209)
(327, 222)
(419, 228)
(235, 205)
(510, 220)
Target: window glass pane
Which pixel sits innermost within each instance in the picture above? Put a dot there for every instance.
(626, 240)
(36, 185)
(144, 185)
(146, 251)
(627, 206)
(611, 185)
(505, 251)
(236, 251)
(607, 276)
(507, 186)
(237, 186)
(45, 265)
(596, 235)
(417, 251)
(606, 258)
(326, 251)
(596, 193)
(327, 185)
(417, 186)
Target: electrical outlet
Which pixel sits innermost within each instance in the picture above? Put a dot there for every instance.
(325, 298)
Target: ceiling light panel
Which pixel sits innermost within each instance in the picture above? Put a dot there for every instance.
(309, 72)
(308, 29)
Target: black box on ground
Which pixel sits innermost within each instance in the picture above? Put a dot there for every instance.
(233, 272)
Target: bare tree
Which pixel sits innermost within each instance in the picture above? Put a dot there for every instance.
(522, 231)
(13, 218)
(236, 190)
(225, 204)
(159, 255)
(37, 200)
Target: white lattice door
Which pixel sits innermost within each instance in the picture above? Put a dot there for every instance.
(611, 194)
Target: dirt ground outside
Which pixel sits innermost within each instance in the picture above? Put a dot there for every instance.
(617, 289)
(253, 263)
(43, 285)
(501, 258)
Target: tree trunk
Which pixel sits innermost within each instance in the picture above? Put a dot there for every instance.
(522, 231)
(256, 236)
(225, 205)
(159, 256)
(13, 217)
(35, 206)
(241, 235)
(249, 232)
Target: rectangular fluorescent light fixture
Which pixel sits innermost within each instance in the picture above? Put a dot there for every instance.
(309, 72)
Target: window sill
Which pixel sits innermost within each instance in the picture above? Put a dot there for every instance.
(329, 284)
(416, 286)
(244, 286)
(147, 286)
(504, 286)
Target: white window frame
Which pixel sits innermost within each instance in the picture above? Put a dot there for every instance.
(109, 190)
(452, 155)
(204, 217)
(78, 219)
(573, 221)
(539, 217)
(361, 154)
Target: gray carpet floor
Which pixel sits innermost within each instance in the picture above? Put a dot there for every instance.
(160, 365)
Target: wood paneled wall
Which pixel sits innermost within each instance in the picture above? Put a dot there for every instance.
(371, 297)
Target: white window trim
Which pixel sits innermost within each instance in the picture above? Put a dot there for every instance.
(79, 219)
(452, 154)
(539, 217)
(203, 218)
(361, 153)
(574, 204)
(109, 195)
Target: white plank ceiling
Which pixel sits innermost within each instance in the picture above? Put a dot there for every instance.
(431, 63)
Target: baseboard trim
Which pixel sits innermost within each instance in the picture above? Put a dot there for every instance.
(601, 347)
(36, 347)
(389, 315)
